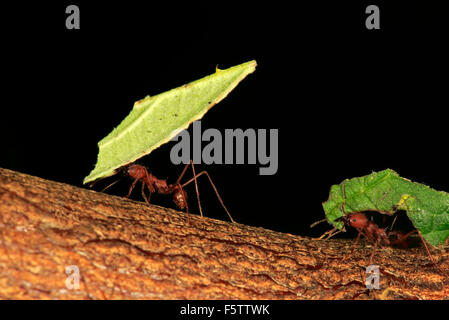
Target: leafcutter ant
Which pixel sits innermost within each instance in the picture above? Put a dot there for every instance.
(156, 185)
(376, 235)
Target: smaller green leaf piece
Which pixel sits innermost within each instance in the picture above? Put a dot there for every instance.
(155, 120)
(387, 192)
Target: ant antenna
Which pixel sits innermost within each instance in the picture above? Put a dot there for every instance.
(105, 188)
(329, 234)
(317, 223)
(110, 185)
(115, 172)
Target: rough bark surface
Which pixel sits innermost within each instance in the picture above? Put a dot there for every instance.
(128, 250)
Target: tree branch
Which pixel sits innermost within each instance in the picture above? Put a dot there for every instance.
(128, 250)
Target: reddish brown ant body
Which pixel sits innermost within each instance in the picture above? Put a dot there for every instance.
(378, 235)
(373, 233)
(140, 173)
(156, 185)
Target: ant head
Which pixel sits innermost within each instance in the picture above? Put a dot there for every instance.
(356, 220)
(180, 198)
(135, 171)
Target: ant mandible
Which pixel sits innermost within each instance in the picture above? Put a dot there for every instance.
(156, 185)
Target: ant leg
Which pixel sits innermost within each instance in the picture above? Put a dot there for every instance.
(196, 185)
(196, 188)
(149, 197)
(184, 171)
(356, 241)
(187, 209)
(374, 249)
(355, 244)
(132, 187)
(143, 193)
(400, 238)
(430, 256)
(213, 186)
(394, 220)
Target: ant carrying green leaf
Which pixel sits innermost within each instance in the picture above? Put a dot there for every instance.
(160, 186)
(386, 192)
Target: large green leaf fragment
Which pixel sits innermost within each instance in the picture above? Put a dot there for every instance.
(387, 192)
(155, 120)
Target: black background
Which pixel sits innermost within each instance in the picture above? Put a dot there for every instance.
(346, 100)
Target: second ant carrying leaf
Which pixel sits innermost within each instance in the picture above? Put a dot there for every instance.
(369, 229)
(376, 235)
